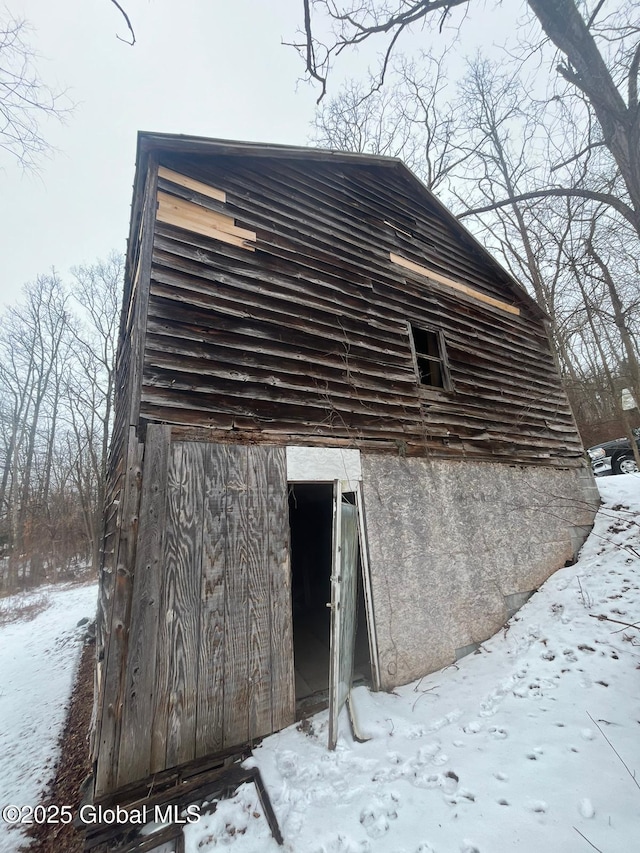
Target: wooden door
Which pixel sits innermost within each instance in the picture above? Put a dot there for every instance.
(344, 585)
(210, 658)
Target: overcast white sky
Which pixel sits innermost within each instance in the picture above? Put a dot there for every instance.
(208, 67)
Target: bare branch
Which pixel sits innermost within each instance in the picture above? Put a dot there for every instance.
(591, 147)
(26, 102)
(594, 14)
(559, 192)
(312, 67)
(587, 840)
(128, 23)
(355, 26)
(624, 764)
(633, 78)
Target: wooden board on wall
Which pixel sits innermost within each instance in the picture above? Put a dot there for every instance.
(178, 641)
(211, 692)
(135, 743)
(282, 676)
(236, 660)
(210, 659)
(258, 594)
(114, 670)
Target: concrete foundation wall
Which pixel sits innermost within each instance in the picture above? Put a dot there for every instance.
(454, 546)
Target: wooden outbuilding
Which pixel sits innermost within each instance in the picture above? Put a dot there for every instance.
(333, 406)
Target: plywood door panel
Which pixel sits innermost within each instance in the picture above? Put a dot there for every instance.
(283, 700)
(178, 637)
(211, 696)
(258, 590)
(236, 659)
(214, 668)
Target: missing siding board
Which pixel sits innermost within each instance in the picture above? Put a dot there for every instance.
(429, 357)
(456, 285)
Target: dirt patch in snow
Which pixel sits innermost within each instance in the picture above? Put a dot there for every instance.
(72, 768)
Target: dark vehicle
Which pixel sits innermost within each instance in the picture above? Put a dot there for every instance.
(614, 457)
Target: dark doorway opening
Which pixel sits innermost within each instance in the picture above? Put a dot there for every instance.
(311, 525)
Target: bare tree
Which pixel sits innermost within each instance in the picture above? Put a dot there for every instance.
(410, 118)
(599, 61)
(26, 101)
(97, 290)
(56, 388)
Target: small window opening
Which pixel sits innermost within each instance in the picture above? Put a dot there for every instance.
(428, 348)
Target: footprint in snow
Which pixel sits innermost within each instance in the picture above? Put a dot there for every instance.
(585, 807)
(287, 763)
(535, 753)
(344, 844)
(448, 781)
(425, 847)
(498, 733)
(416, 732)
(488, 708)
(501, 777)
(430, 754)
(570, 655)
(472, 728)
(469, 847)
(538, 806)
(461, 797)
(376, 825)
(451, 717)
(376, 816)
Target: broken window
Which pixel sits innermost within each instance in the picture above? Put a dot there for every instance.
(430, 357)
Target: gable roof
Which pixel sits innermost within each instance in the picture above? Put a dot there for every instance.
(151, 143)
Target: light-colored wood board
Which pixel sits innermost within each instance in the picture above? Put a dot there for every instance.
(456, 285)
(283, 702)
(259, 635)
(211, 692)
(236, 674)
(193, 211)
(186, 214)
(135, 743)
(192, 184)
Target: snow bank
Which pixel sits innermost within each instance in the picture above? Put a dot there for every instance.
(38, 660)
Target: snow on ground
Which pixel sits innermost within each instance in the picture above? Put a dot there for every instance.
(520, 746)
(531, 744)
(38, 660)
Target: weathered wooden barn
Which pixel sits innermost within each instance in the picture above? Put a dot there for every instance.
(333, 406)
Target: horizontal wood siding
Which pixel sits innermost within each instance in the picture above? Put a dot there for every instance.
(307, 335)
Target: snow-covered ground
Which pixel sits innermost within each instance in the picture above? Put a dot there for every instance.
(38, 660)
(531, 744)
(521, 746)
